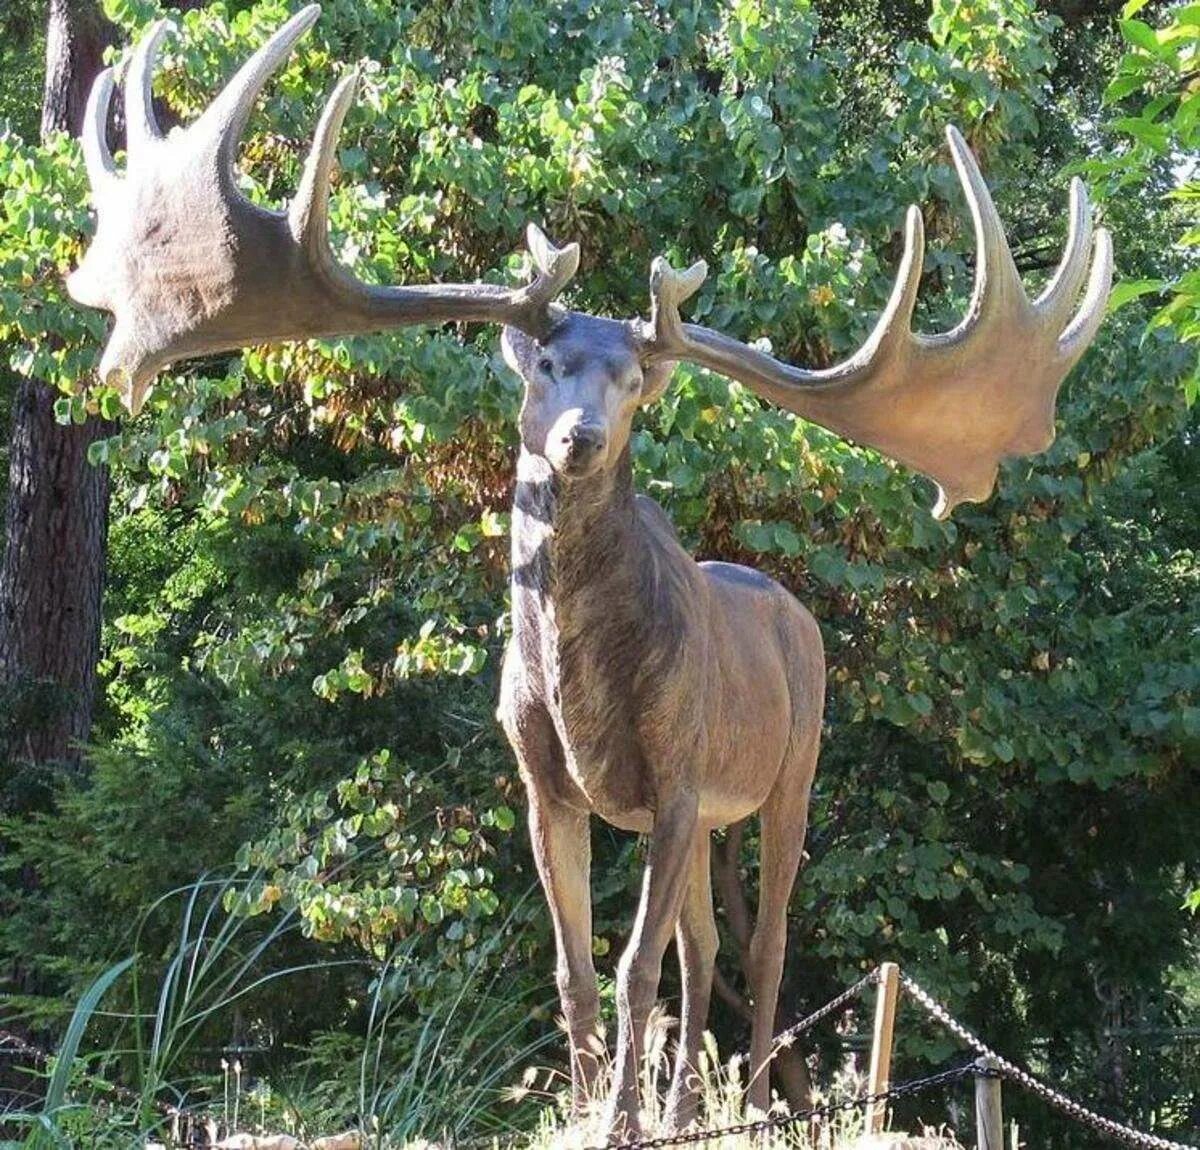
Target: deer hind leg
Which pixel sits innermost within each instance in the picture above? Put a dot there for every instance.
(663, 886)
(696, 939)
(562, 850)
(783, 820)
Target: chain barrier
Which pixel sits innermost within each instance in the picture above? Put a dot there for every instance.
(766, 1125)
(831, 1007)
(1048, 1094)
(14, 1044)
(1002, 1068)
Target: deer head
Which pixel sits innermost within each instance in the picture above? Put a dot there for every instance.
(583, 383)
(188, 266)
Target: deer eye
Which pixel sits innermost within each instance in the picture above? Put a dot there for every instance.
(546, 365)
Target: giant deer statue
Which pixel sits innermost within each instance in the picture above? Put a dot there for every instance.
(667, 697)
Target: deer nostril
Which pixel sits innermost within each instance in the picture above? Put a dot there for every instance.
(583, 441)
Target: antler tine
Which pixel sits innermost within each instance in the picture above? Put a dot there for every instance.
(668, 289)
(1056, 302)
(894, 327)
(309, 210)
(101, 169)
(1082, 329)
(554, 267)
(141, 124)
(225, 118)
(997, 282)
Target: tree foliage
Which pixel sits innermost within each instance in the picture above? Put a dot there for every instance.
(307, 588)
(1158, 101)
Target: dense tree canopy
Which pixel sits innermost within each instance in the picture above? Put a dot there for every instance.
(307, 555)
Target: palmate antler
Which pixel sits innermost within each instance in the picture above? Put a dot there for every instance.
(953, 405)
(189, 266)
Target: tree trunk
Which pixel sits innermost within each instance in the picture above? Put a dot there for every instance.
(52, 570)
(51, 580)
(76, 36)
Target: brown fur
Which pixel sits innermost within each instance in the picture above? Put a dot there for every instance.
(665, 696)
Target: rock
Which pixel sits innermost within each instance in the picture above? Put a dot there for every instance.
(898, 1140)
(348, 1140)
(259, 1142)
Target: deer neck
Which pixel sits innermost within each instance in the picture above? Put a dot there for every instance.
(576, 580)
(574, 543)
(584, 626)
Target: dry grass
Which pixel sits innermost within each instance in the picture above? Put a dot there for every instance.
(721, 1106)
(722, 1088)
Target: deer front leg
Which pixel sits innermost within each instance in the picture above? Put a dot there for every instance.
(697, 940)
(638, 972)
(562, 850)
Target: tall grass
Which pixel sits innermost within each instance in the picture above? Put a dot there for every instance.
(221, 956)
(44, 1124)
(442, 1071)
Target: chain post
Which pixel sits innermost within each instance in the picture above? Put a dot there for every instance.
(1055, 1098)
(882, 1041)
(989, 1116)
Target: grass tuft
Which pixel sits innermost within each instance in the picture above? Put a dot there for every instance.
(722, 1092)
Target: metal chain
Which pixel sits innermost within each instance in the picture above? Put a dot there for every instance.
(14, 1044)
(765, 1125)
(831, 1007)
(1036, 1086)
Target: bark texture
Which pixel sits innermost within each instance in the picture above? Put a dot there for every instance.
(51, 579)
(76, 35)
(52, 569)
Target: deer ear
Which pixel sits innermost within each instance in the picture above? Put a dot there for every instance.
(516, 348)
(655, 380)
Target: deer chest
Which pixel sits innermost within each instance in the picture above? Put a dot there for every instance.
(589, 694)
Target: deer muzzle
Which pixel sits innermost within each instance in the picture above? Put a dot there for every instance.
(577, 445)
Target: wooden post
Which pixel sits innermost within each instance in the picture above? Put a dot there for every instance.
(881, 1043)
(989, 1118)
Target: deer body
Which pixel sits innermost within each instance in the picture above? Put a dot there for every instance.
(665, 696)
(633, 649)
(662, 695)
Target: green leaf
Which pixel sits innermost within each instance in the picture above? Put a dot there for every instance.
(1122, 86)
(786, 539)
(56, 1092)
(1125, 291)
(1153, 136)
(1140, 36)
